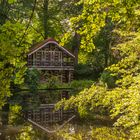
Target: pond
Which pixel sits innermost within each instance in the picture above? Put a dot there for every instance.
(18, 128)
(76, 129)
(68, 132)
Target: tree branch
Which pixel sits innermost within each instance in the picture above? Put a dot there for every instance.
(28, 22)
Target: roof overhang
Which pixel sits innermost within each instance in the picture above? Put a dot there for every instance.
(53, 42)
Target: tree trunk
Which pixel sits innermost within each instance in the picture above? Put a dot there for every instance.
(75, 47)
(45, 18)
(4, 6)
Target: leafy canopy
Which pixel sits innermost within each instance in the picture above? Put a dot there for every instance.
(122, 99)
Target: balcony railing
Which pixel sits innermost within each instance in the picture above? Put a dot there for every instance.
(49, 64)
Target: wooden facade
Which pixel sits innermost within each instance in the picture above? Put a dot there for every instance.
(45, 114)
(52, 59)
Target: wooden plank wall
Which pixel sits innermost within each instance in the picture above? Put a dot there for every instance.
(50, 56)
(45, 114)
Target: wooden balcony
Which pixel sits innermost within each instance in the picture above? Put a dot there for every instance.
(50, 65)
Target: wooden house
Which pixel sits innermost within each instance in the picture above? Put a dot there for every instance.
(49, 57)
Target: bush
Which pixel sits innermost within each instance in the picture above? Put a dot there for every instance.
(108, 79)
(32, 79)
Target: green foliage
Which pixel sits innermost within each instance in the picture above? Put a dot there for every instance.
(11, 1)
(27, 133)
(108, 79)
(94, 17)
(86, 71)
(122, 100)
(53, 82)
(79, 85)
(32, 79)
(109, 30)
(92, 132)
(12, 63)
(105, 133)
(14, 117)
(120, 92)
(85, 101)
(76, 85)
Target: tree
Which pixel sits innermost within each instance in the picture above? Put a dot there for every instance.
(13, 50)
(122, 99)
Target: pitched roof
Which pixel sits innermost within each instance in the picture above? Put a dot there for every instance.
(45, 42)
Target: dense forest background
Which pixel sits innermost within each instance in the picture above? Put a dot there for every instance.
(103, 35)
